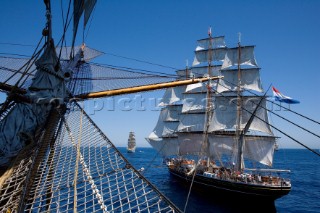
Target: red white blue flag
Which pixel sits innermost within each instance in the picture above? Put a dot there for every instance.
(278, 96)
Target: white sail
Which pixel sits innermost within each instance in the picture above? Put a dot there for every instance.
(163, 127)
(232, 57)
(203, 71)
(198, 87)
(191, 122)
(190, 143)
(225, 114)
(164, 138)
(164, 146)
(170, 129)
(250, 79)
(199, 71)
(215, 42)
(220, 145)
(172, 95)
(209, 55)
(259, 149)
(194, 102)
(172, 112)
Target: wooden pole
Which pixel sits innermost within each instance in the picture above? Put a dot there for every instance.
(143, 88)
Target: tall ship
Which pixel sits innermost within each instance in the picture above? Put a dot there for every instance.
(131, 143)
(216, 134)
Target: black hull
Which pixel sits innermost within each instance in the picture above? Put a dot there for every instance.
(227, 188)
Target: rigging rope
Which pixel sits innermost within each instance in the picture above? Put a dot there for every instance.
(34, 57)
(66, 25)
(84, 168)
(146, 62)
(128, 69)
(16, 44)
(91, 18)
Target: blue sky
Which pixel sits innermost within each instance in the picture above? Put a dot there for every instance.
(286, 34)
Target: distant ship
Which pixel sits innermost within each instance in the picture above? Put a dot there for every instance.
(276, 147)
(131, 143)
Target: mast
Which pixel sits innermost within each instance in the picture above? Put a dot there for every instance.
(208, 101)
(48, 16)
(239, 112)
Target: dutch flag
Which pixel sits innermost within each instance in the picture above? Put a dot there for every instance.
(278, 96)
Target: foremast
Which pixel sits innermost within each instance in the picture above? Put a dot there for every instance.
(193, 129)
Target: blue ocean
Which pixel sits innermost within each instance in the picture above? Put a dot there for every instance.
(304, 196)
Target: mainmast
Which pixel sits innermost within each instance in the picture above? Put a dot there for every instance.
(239, 112)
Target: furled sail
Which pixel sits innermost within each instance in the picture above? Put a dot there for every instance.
(47, 88)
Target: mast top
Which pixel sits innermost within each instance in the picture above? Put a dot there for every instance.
(209, 32)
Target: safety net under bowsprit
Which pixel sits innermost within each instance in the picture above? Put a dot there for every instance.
(74, 167)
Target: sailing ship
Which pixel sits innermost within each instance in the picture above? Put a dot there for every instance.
(276, 146)
(53, 157)
(217, 134)
(131, 143)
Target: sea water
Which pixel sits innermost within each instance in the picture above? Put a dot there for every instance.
(304, 195)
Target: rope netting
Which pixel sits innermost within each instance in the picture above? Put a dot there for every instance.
(85, 77)
(12, 69)
(102, 180)
(95, 78)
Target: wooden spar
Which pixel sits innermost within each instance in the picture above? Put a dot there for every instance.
(19, 92)
(9, 88)
(143, 88)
